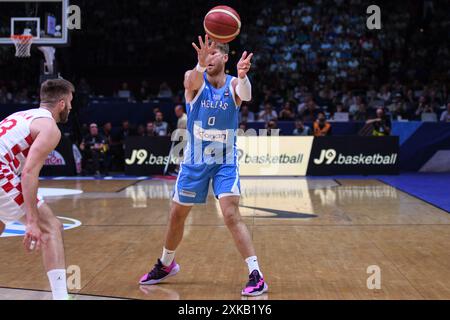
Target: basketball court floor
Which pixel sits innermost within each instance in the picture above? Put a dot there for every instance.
(315, 239)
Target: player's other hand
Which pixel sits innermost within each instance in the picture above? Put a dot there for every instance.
(204, 53)
(33, 237)
(244, 64)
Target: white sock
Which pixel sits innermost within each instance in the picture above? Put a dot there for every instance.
(58, 283)
(167, 257)
(252, 263)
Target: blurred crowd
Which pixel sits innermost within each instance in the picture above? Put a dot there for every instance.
(325, 44)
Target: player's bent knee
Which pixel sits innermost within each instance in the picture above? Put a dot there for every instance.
(231, 216)
(178, 213)
(53, 226)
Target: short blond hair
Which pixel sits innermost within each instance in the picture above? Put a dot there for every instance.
(223, 47)
(55, 89)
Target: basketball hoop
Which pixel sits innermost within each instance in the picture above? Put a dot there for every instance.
(23, 45)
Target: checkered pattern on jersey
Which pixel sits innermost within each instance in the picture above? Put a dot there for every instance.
(13, 159)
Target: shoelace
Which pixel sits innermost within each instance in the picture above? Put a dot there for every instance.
(253, 280)
(156, 271)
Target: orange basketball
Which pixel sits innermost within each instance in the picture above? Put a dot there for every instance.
(222, 24)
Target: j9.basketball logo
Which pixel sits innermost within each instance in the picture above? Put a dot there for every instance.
(326, 155)
(138, 156)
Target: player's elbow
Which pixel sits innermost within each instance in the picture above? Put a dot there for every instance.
(188, 85)
(192, 85)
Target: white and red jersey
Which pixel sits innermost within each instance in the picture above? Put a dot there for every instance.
(15, 143)
(16, 140)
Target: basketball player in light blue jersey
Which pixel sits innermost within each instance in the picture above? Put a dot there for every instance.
(213, 99)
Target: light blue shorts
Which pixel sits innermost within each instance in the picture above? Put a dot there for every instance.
(193, 182)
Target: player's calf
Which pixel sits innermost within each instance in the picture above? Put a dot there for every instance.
(2, 227)
(53, 252)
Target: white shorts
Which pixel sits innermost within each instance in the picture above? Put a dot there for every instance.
(11, 199)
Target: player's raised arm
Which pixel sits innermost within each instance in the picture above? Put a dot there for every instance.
(46, 141)
(193, 79)
(242, 85)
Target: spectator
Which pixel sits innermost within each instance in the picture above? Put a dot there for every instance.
(410, 103)
(421, 106)
(381, 124)
(161, 127)
(125, 131)
(287, 113)
(311, 112)
(354, 107)
(434, 102)
(93, 148)
(445, 116)
(107, 128)
(272, 128)
(245, 115)
(361, 113)
(321, 126)
(301, 129)
(182, 117)
(242, 128)
(124, 91)
(340, 114)
(268, 113)
(384, 94)
(425, 111)
(165, 91)
(144, 92)
(302, 106)
(141, 130)
(340, 107)
(150, 130)
(398, 107)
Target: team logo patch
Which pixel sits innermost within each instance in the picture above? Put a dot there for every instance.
(212, 135)
(188, 193)
(17, 229)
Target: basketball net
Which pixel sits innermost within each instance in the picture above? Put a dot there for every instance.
(23, 45)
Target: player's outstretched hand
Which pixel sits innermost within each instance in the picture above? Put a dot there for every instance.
(244, 64)
(205, 51)
(33, 236)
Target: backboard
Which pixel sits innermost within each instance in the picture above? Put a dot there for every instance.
(45, 20)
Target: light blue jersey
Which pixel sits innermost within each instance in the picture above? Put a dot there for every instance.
(212, 124)
(211, 152)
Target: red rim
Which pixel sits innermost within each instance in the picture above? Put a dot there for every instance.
(21, 37)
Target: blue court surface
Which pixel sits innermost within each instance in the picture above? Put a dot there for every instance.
(433, 188)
